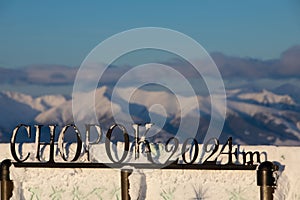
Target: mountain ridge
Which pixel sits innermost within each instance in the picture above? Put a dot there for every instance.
(250, 118)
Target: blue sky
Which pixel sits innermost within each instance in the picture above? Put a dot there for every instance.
(63, 32)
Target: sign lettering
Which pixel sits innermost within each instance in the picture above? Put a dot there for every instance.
(189, 151)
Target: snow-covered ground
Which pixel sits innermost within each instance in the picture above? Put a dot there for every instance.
(31, 183)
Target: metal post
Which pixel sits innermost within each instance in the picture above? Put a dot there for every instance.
(6, 184)
(266, 180)
(125, 173)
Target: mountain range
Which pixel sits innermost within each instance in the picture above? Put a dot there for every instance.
(253, 117)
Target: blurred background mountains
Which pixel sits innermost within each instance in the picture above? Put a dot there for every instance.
(263, 98)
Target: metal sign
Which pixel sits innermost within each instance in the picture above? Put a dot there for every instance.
(140, 145)
(249, 161)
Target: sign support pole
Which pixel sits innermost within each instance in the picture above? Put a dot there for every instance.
(6, 183)
(266, 180)
(125, 173)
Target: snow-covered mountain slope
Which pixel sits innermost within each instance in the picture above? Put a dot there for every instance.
(259, 117)
(13, 111)
(62, 114)
(292, 89)
(267, 97)
(17, 108)
(40, 103)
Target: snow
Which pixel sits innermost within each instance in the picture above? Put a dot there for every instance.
(267, 97)
(13, 112)
(41, 103)
(79, 183)
(160, 106)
